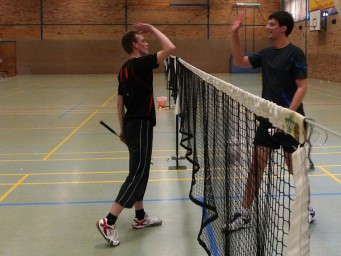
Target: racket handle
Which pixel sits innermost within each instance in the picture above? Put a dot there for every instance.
(109, 128)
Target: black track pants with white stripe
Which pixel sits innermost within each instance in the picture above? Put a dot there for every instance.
(138, 136)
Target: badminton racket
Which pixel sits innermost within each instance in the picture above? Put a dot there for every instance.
(316, 136)
(109, 128)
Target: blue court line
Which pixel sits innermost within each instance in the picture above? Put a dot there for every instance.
(84, 202)
(211, 237)
(69, 110)
(110, 202)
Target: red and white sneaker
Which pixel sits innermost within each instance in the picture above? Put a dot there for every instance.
(108, 232)
(146, 222)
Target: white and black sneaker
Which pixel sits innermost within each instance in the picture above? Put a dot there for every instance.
(312, 215)
(146, 222)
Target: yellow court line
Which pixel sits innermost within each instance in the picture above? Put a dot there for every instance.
(13, 187)
(37, 128)
(72, 159)
(93, 182)
(108, 100)
(330, 175)
(87, 152)
(63, 159)
(76, 129)
(21, 89)
(88, 173)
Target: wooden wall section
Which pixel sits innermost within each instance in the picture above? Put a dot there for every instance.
(68, 56)
(106, 56)
(8, 58)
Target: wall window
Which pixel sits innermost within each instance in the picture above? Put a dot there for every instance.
(297, 8)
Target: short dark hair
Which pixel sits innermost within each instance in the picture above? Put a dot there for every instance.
(127, 41)
(284, 19)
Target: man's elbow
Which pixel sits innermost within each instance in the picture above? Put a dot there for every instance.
(237, 63)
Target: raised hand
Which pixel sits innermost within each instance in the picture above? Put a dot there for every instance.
(142, 27)
(238, 22)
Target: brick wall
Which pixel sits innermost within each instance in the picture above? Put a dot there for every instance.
(92, 26)
(323, 49)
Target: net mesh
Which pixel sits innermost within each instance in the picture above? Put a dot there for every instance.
(218, 124)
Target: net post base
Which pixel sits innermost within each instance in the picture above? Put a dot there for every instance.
(177, 167)
(181, 167)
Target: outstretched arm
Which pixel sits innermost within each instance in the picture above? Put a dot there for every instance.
(167, 46)
(238, 56)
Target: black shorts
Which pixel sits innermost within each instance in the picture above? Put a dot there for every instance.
(267, 136)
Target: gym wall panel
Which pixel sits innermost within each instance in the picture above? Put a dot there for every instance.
(171, 15)
(83, 32)
(19, 19)
(323, 49)
(104, 56)
(62, 19)
(7, 58)
(67, 22)
(20, 32)
(69, 56)
(20, 12)
(83, 12)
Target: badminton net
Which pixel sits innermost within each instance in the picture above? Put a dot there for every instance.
(218, 124)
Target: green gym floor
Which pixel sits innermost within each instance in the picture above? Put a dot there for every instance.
(60, 170)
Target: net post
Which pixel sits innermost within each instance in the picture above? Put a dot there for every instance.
(176, 157)
(171, 86)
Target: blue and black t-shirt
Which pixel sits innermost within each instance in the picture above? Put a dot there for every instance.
(280, 69)
(135, 84)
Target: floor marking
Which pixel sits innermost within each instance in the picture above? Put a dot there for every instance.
(88, 202)
(85, 152)
(76, 129)
(333, 176)
(71, 109)
(13, 187)
(91, 182)
(97, 182)
(90, 172)
(22, 89)
(74, 159)
(111, 201)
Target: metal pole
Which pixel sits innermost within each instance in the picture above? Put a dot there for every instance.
(41, 21)
(126, 15)
(306, 30)
(208, 19)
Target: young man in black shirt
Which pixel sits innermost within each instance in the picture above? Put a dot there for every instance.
(284, 82)
(136, 115)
